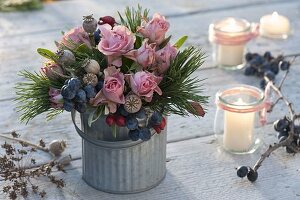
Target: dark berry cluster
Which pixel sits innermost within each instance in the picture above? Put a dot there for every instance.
(243, 171)
(283, 127)
(137, 123)
(76, 95)
(265, 66)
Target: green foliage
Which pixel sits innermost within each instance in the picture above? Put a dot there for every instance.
(133, 19)
(180, 42)
(178, 88)
(20, 5)
(47, 54)
(165, 42)
(33, 97)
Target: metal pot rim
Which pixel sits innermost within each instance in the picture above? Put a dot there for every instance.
(106, 144)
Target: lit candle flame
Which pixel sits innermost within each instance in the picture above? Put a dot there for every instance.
(274, 14)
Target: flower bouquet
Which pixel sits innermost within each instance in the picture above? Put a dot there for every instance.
(124, 78)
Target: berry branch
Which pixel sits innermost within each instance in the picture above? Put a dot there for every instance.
(288, 131)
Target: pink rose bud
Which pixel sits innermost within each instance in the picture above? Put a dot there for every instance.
(146, 54)
(155, 29)
(76, 37)
(107, 20)
(56, 99)
(163, 58)
(52, 70)
(115, 42)
(144, 84)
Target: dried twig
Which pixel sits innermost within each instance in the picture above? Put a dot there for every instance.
(24, 142)
(288, 141)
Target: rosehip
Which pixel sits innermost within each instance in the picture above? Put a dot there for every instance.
(110, 120)
(107, 20)
(120, 120)
(157, 129)
(163, 124)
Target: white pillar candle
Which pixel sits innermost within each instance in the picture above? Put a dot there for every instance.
(238, 130)
(230, 55)
(274, 24)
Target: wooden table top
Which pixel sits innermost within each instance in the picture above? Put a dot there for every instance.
(197, 168)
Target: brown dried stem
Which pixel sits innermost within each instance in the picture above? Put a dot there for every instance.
(293, 116)
(25, 142)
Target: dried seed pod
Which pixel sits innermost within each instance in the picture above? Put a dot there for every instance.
(66, 160)
(89, 24)
(133, 103)
(65, 57)
(56, 147)
(92, 66)
(91, 79)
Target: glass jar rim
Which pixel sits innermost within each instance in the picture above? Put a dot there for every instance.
(250, 107)
(247, 25)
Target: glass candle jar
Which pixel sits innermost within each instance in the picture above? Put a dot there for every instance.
(239, 118)
(229, 37)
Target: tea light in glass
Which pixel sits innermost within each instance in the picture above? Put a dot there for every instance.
(237, 119)
(274, 26)
(229, 37)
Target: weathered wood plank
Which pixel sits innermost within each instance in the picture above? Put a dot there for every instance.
(198, 169)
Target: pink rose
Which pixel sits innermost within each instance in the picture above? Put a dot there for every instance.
(163, 58)
(145, 55)
(115, 42)
(112, 91)
(52, 70)
(75, 37)
(144, 84)
(56, 99)
(155, 29)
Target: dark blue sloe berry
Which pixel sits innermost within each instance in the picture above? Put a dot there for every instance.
(145, 134)
(242, 171)
(131, 123)
(80, 96)
(284, 65)
(252, 175)
(68, 105)
(90, 91)
(134, 135)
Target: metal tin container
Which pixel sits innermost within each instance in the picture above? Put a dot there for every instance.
(119, 165)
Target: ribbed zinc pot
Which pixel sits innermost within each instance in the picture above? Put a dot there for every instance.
(119, 165)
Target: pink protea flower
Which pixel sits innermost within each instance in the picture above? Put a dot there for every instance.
(155, 29)
(52, 70)
(115, 42)
(56, 99)
(75, 37)
(163, 58)
(112, 91)
(144, 84)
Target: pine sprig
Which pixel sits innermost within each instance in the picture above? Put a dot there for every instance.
(134, 17)
(178, 88)
(33, 96)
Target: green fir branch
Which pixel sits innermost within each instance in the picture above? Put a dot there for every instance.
(33, 96)
(178, 88)
(134, 17)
